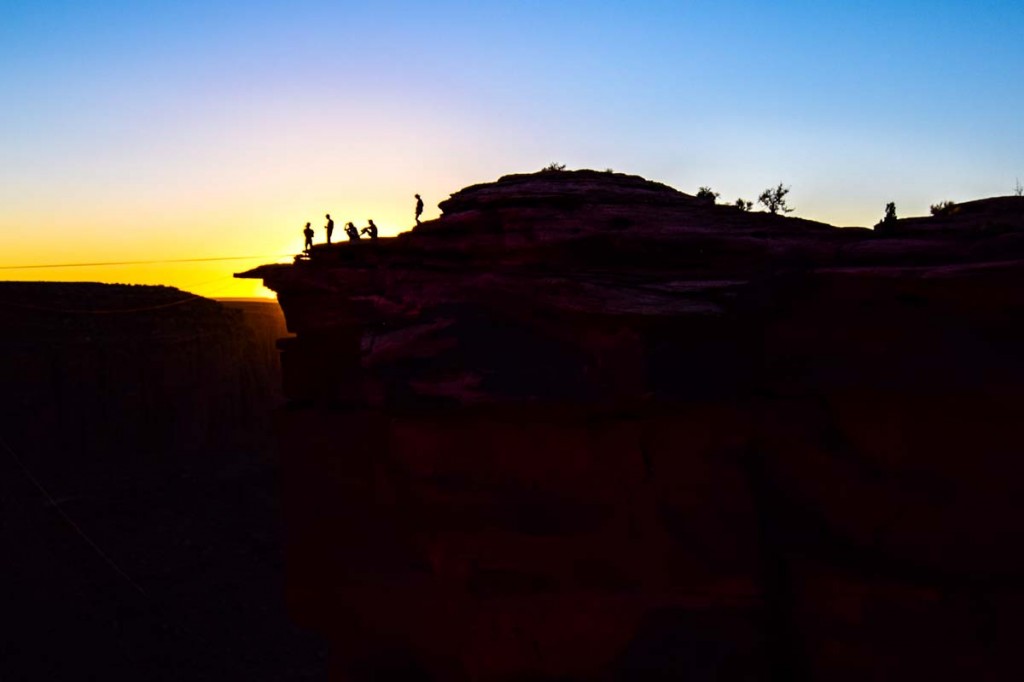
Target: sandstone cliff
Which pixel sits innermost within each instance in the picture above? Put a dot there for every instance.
(584, 426)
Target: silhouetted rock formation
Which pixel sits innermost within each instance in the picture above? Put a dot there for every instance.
(142, 411)
(104, 372)
(584, 426)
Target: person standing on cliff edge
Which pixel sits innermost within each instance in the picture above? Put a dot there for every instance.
(308, 233)
(330, 227)
(419, 208)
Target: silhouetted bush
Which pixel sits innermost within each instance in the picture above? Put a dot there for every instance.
(1018, 189)
(944, 208)
(553, 167)
(889, 221)
(707, 195)
(774, 199)
(743, 204)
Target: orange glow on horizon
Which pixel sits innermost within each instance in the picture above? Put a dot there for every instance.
(137, 243)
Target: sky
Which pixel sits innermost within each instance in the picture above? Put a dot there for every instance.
(196, 129)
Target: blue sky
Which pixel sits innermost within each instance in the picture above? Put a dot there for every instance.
(205, 129)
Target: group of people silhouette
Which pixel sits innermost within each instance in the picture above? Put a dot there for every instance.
(353, 232)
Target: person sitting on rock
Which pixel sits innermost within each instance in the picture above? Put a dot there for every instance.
(352, 232)
(308, 233)
(371, 230)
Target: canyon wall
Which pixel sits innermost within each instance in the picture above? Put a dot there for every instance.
(125, 377)
(584, 426)
(139, 505)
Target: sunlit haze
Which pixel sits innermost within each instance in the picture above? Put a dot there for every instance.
(142, 131)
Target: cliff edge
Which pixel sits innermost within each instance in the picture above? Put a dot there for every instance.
(584, 426)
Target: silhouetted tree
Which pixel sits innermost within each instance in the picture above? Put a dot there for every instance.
(774, 199)
(743, 204)
(943, 208)
(706, 194)
(889, 221)
(554, 167)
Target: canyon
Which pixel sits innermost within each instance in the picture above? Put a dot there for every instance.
(139, 497)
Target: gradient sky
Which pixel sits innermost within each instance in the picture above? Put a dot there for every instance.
(184, 129)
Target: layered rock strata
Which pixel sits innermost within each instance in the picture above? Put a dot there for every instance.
(584, 426)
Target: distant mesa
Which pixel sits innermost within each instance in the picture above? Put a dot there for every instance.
(98, 375)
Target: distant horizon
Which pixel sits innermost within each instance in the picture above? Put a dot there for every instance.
(271, 297)
(189, 130)
(255, 291)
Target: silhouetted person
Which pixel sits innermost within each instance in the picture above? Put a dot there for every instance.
(419, 208)
(330, 227)
(352, 232)
(308, 232)
(371, 230)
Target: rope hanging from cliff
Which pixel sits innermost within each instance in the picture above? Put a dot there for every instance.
(71, 522)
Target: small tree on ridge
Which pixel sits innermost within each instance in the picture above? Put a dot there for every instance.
(706, 194)
(889, 221)
(774, 199)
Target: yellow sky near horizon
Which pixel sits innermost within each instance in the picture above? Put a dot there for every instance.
(138, 244)
(195, 183)
(163, 131)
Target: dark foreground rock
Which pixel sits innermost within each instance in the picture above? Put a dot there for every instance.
(139, 509)
(587, 427)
